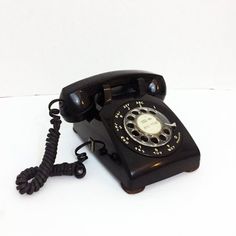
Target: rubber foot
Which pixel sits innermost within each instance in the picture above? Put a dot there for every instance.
(132, 191)
(191, 170)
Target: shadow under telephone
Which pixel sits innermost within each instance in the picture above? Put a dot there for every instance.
(122, 116)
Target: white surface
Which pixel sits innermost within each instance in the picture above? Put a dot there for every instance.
(198, 203)
(47, 44)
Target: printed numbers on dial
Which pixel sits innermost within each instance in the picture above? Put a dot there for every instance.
(145, 130)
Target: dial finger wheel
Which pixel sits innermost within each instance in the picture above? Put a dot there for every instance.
(145, 129)
(147, 126)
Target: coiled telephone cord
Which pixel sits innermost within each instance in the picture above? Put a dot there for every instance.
(32, 179)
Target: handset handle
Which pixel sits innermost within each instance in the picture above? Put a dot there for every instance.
(79, 97)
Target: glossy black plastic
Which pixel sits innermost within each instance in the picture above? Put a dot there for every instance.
(134, 170)
(79, 97)
(91, 104)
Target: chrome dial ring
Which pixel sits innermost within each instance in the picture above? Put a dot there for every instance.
(148, 127)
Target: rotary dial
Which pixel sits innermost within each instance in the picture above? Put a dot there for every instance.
(147, 126)
(145, 129)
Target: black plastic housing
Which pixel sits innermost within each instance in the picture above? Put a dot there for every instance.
(91, 104)
(133, 170)
(79, 97)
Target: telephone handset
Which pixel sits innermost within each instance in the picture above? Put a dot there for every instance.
(122, 117)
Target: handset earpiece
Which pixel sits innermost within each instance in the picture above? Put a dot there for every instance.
(76, 106)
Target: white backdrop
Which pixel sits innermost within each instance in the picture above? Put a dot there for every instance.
(47, 44)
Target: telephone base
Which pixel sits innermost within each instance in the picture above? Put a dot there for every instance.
(132, 191)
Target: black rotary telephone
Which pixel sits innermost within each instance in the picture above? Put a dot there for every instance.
(122, 117)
